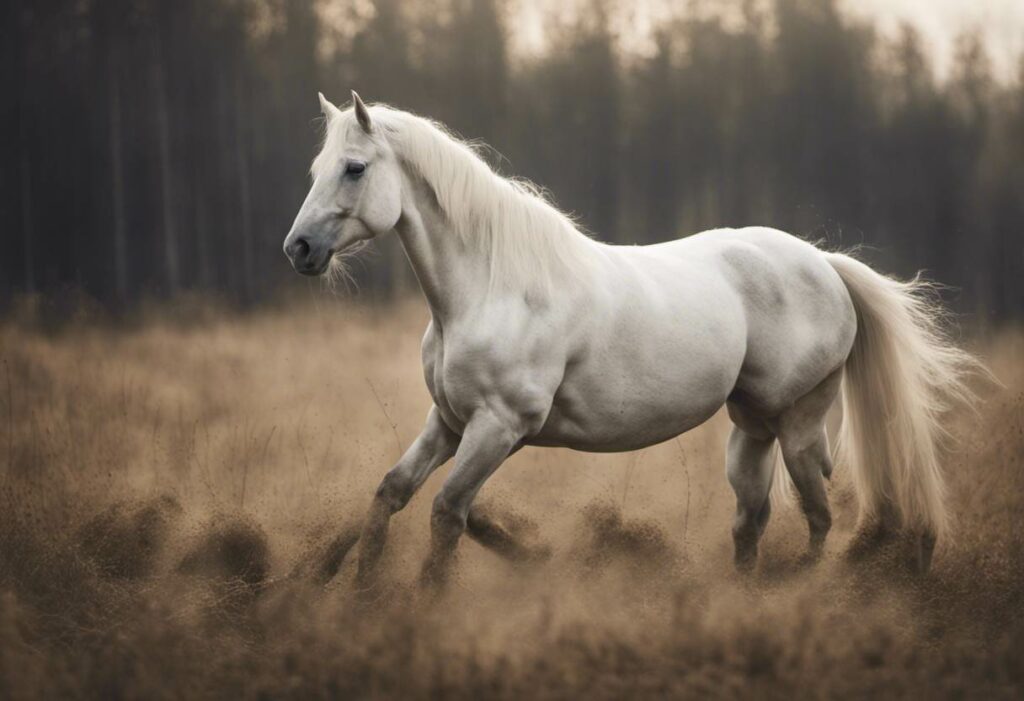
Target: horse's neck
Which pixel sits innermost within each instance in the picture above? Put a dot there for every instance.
(448, 270)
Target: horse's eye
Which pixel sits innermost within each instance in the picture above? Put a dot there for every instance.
(355, 168)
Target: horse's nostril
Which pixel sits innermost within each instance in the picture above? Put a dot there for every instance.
(298, 249)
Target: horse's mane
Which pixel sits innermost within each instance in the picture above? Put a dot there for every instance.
(528, 240)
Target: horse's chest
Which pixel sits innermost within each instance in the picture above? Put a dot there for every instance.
(477, 367)
(433, 373)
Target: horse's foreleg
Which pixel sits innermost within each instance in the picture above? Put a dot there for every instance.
(502, 540)
(486, 442)
(749, 468)
(489, 531)
(435, 445)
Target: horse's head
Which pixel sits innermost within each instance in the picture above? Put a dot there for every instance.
(356, 192)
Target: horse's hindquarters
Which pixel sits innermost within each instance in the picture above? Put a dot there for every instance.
(799, 318)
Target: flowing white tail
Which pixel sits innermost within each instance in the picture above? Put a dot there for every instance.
(901, 375)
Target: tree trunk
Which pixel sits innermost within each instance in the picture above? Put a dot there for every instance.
(117, 181)
(28, 253)
(245, 218)
(202, 241)
(166, 170)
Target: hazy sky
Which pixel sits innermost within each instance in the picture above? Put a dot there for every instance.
(940, 23)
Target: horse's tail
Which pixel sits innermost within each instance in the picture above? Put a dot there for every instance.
(901, 375)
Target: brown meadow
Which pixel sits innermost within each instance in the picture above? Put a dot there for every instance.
(173, 493)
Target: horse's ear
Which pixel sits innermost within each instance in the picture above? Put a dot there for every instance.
(328, 109)
(362, 114)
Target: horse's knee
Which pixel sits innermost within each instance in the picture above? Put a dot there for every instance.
(395, 491)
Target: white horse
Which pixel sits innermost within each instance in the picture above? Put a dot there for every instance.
(542, 336)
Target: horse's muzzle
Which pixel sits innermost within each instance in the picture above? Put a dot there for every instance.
(307, 257)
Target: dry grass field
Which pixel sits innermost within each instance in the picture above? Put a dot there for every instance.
(169, 492)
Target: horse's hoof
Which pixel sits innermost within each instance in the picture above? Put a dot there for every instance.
(376, 596)
(435, 575)
(539, 554)
(430, 589)
(746, 563)
(366, 578)
(925, 550)
(865, 543)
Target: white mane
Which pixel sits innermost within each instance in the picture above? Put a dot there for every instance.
(529, 242)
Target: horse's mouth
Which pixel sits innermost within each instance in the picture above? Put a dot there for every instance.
(318, 268)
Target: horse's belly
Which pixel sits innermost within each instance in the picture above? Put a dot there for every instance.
(662, 363)
(642, 426)
(629, 405)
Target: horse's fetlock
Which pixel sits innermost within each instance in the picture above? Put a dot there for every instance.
(445, 518)
(820, 522)
(744, 531)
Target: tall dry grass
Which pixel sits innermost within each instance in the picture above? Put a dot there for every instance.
(167, 488)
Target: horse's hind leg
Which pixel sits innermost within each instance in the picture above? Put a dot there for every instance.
(801, 433)
(749, 468)
(807, 461)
